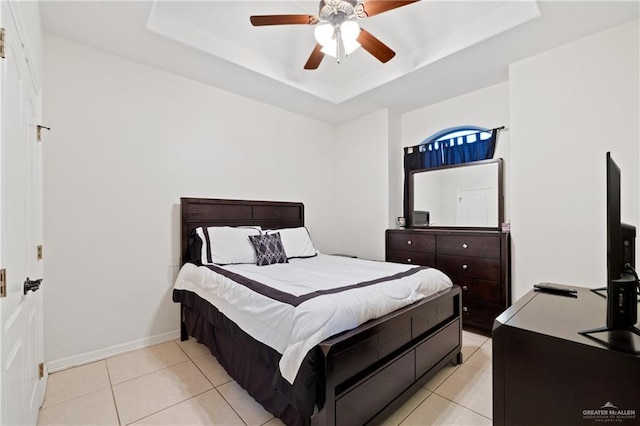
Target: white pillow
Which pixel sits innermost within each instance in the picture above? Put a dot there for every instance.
(296, 241)
(228, 245)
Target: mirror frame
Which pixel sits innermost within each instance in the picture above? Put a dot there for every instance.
(499, 162)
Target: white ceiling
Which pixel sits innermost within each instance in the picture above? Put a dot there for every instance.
(443, 48)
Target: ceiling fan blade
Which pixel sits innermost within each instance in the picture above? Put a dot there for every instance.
(374, 46)
(314, 60)
(260, 20)
(375, 7)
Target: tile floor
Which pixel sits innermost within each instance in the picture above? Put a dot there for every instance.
(181, 383)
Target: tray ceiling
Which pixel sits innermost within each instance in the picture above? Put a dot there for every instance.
(443, 48)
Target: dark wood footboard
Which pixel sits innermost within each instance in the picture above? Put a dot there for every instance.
(373, 369)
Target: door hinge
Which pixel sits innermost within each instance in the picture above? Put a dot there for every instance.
(41, 370)
(39, 132)
(40, 252)
(2, 42)
(3, 282)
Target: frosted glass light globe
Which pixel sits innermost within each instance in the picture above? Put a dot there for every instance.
(323, 34)
(331, 48)
(350, 31)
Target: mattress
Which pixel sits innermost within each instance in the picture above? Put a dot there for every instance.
(292, 307)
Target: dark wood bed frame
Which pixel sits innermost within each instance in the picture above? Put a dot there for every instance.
(372, 370)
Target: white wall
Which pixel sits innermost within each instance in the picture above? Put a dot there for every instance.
(488, 108)
(396, 168)
(568, 107)
(127, 142)
(362, 185)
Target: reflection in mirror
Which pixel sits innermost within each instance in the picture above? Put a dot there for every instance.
(467, 195)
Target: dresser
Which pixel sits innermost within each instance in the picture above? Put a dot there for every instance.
(476, 260)
(546, 373)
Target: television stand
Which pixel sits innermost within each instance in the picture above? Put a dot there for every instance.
(546, 373)
(599, 289)
(622, 305)
(632, 329)
(587, 333)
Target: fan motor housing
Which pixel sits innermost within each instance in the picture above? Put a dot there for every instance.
(337, 10)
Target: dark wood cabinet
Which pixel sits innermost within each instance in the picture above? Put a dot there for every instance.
(476, 260)
(546, 373)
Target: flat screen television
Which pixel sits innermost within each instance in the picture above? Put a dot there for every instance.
(622, 299)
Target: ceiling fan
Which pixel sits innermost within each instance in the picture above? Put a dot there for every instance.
(338, 34)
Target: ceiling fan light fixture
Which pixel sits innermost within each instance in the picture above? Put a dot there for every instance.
(330, 48)
(349, 31)
(337, 33)
(350, 46)
(324, 34)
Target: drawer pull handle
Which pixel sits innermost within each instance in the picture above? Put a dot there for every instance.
(465, 288)
(464, 245)
(465, 266)
(409, 242)
(409, 260)
(465, 309)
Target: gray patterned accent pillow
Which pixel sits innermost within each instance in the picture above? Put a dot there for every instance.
(269, 249)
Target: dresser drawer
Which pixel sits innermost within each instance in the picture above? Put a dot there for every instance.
(469, 245)
(480, 290)
(411, 257)
(411, 241)
(479, 314)
(469, 267)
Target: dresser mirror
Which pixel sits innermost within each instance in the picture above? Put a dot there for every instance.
(465, 195)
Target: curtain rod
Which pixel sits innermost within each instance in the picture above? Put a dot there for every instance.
(500, 129)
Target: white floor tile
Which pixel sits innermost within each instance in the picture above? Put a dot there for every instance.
(436, 410)
(96, 408)
(206, 409)
(482, 358)
(144, 361)
(192, 348)
(182, 393)
(74, 382)
(140, 397)
(440, 377)
(470, 387)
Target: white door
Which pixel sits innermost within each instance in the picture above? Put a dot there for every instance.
(21, 327)
(477, 207)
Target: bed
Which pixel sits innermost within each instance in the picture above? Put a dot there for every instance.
(357, 376)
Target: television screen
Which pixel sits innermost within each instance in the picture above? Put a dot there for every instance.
(614, 235)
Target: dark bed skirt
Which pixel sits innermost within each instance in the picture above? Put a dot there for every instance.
(253, 364)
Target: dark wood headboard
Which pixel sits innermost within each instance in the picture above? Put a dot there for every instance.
(205, 212)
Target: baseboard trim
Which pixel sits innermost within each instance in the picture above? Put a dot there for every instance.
(99, 355)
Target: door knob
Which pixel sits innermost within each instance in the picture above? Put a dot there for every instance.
(31, 285)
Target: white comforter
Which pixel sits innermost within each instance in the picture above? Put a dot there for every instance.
(294, 330)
